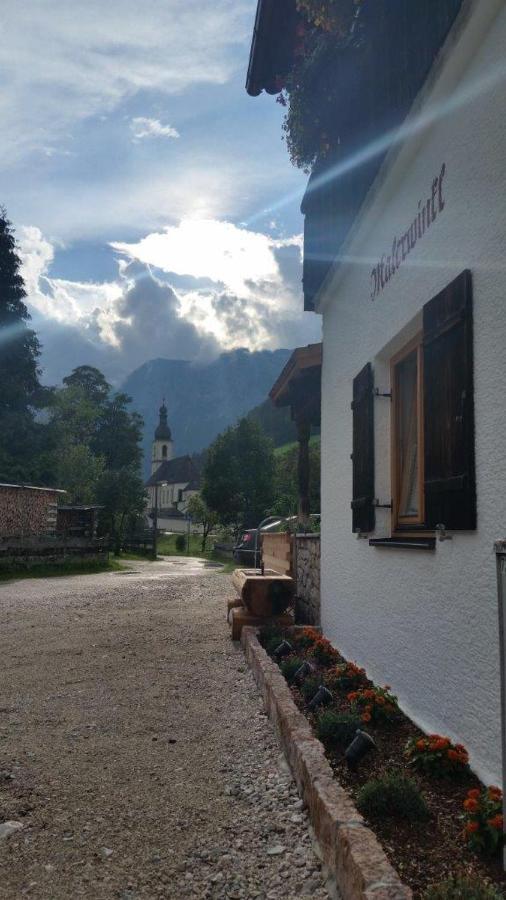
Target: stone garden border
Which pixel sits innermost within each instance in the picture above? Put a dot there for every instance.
(349, 849)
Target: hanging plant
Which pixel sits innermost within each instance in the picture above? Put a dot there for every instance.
(335, 16)
(311, 90)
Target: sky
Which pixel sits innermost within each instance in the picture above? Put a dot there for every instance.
(154, 204)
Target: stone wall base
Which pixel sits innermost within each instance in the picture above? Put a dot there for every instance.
(350, 849)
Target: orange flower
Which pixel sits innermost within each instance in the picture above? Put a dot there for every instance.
(471, 804)
(352, 696)
(496, 822)
(420, 745)
(366, 717)
(474, 793)
(494, 793)
(472, 827)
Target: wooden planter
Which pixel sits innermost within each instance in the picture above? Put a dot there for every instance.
(264, 595)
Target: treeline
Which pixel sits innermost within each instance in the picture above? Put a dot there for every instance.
(81, 436)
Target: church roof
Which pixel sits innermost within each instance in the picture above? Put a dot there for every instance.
(176, 471)
(162, 432)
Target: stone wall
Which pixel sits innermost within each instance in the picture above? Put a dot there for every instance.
(307, 605)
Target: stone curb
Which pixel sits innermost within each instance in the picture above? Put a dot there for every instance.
(349, 849)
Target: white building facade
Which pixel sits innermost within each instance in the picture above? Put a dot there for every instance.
(414, 336)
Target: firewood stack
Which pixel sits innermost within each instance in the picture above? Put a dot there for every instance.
(262, 598)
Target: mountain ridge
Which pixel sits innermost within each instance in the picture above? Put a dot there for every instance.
(202, 398)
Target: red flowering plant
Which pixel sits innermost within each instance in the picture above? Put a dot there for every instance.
(305, 637)
(437, 755)
(374, 704)
(346, 676)
(484, 826)
(323, 651)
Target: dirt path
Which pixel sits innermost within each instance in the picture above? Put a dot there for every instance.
(133, 748)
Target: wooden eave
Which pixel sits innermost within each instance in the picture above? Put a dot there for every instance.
(271, 46)
(302, 370)
(382, 77)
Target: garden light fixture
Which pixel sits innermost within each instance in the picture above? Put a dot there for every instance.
(283, 649)
(361, 744)
(321, 698)
(305, 669)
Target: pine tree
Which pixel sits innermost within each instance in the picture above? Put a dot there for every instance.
(20, 391)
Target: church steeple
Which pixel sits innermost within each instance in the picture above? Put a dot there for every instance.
(162, 444)
(162, 432)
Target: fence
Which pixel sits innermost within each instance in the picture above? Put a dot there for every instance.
(24, 551)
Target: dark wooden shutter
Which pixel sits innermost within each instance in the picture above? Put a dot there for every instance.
(450, 485)
(363, 451)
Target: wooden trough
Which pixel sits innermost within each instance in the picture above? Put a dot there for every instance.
(261, 598)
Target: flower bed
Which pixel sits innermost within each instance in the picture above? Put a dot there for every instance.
(434, 818)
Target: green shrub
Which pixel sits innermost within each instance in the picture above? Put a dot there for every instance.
(310, 686)
(462, 889)
(289, 667)
(270, 637)
(393, 796)
(180, 543)
(337, 729)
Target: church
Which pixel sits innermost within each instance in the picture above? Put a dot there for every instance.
(172, 482)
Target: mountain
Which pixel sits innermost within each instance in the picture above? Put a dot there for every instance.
(275, 421)
(202, 398)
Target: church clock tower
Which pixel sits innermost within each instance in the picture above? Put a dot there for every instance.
(162, 445)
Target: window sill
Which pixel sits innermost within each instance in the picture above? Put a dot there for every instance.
(407, 543)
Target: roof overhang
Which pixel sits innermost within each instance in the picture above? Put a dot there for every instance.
(299, 385)
(33, 487)
(271, 46)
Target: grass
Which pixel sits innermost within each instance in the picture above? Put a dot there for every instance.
(285, 448)
(54, 570)
(167, 547)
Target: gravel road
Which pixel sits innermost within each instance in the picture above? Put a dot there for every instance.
(133, 747)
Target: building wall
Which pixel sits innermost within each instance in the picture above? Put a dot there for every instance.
(25, 511)
(426, 623)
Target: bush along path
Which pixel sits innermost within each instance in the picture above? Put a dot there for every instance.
(440, 827)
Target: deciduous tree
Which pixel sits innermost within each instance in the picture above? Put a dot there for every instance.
(203, 516)
(238, 478)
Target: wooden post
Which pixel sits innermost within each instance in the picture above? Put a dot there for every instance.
(303, 434)
(155, 524)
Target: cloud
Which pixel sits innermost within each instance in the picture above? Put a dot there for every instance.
(235, 288)
(61, 66)
(143, 127)
(209, 248)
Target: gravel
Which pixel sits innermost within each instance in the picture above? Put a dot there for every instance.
(134, 749)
